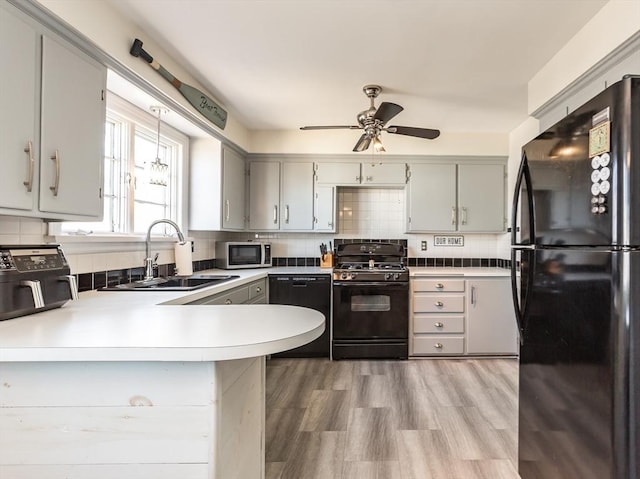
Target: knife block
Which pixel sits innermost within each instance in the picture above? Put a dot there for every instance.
(327, 262)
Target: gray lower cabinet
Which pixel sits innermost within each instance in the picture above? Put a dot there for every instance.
(491, 323)
(250, 293)
(458, 316)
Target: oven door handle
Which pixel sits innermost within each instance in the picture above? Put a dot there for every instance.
(359, 284)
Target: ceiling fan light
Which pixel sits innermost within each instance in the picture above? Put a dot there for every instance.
(377, 145)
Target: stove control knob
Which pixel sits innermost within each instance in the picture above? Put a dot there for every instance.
(353, 275)
(388, 276)
(343, 275)
(396, 276)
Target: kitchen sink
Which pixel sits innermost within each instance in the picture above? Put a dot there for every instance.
(173, 283)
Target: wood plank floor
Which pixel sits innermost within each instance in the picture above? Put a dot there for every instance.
(417, 419)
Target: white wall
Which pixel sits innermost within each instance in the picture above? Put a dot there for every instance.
(615, 23)
(114, 34)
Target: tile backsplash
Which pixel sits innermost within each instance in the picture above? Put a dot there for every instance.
(361, 213)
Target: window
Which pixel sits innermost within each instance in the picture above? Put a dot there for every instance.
(131, 203)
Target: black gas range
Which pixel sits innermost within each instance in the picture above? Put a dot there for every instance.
(370, 302)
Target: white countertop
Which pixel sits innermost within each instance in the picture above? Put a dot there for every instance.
(452, 271)
(157, 326)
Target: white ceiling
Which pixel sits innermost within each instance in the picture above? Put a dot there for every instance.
(455, 65)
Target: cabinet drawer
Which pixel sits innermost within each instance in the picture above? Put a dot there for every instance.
(439, 285)
(258, 288)
(437, 324)
(437, 345)
(236, 296)
(442, 303)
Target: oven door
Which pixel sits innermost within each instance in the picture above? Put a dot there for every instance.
(370, 311)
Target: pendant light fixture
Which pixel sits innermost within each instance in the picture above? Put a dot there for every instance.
(158, 171)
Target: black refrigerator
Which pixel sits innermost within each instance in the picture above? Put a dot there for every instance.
(576, 289)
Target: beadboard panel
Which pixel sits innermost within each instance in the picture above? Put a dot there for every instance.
(107, 471)
(106, 384)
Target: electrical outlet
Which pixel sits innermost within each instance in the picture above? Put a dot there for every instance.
(423, 245)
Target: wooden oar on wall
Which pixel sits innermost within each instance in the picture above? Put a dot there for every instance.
(201, 102)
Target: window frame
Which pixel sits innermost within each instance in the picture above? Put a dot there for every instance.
(133, 120)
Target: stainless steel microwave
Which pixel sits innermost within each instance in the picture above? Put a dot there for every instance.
(243, 254)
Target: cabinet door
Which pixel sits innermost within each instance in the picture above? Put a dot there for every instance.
(324, 208)
(19, 99)
(338, 173)
(264, 196)
(481, 198)
(384, 174)
(431, 198)
(491, 325)
(233, 189)
(297, 197)
(72, 131)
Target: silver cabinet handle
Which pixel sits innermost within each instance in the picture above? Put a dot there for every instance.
(438, 324)
(358, 178)
(438, 345)
(439, 286)
(73, 285)
(56, 183)
(275, 214)
(369, 178)
(29, 183)
(286, 214)
(228, 301)
(464, 215)
(258, 289)
(439, 304)
(453, 215)
(36, 292)
(473, 295)
(228, 209)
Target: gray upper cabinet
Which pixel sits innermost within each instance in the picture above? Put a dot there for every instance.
(281, 196)
(52, 113)
(324, 210)
(384, 173)
(264, 196)
(361, 174)
(431, 197)
(451, 197)
(334, 173)
(297, 196)
(481, 198)
(216, 187)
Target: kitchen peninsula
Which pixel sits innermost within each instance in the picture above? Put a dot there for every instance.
(125, 385)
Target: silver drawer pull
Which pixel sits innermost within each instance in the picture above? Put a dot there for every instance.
(29, 182)
(228, 301)
(439, 304)
(258, 289)
(438, 324)
(440, 286)
(438, 345)
(56, 183)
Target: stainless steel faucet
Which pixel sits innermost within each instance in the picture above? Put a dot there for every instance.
(148, 260)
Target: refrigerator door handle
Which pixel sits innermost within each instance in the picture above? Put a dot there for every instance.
(523, 175)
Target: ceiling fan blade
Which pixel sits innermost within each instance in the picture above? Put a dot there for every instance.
(331, 127)
(386, 111)
(363, 143)
(427, 133)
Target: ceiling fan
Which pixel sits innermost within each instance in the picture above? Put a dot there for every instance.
(373, 121)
